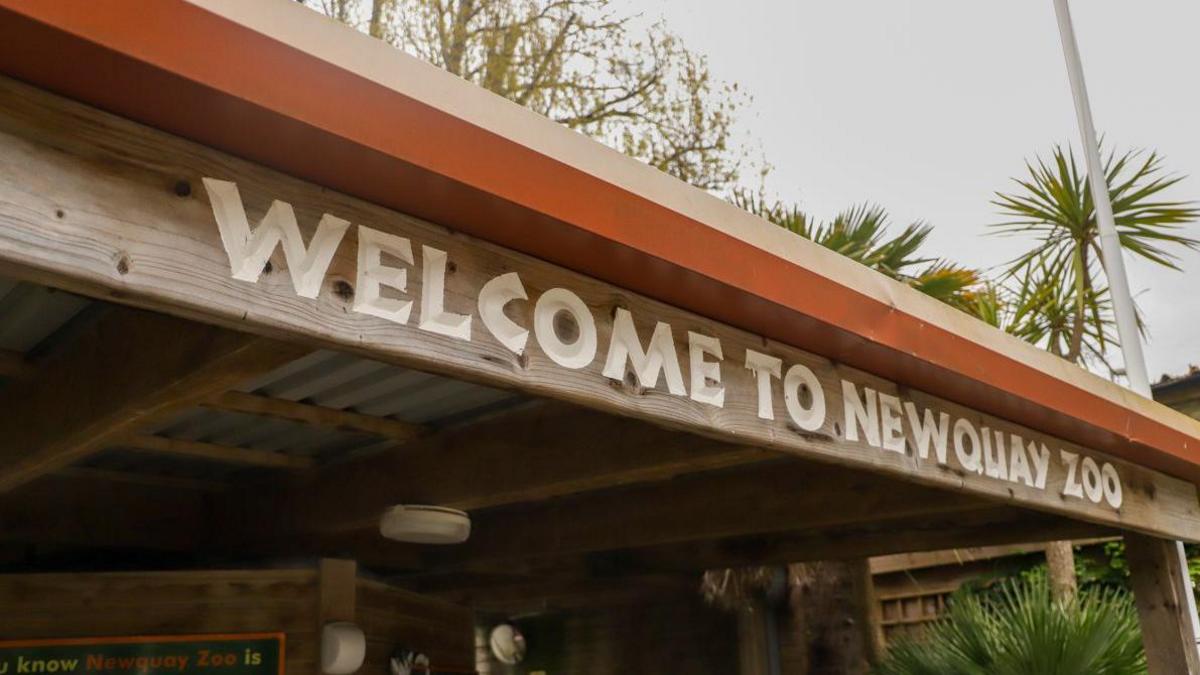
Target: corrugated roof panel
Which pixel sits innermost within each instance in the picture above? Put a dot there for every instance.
(29, 313)
(344, 381)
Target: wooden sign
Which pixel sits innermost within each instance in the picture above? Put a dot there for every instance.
(252, 249)
(245, 654)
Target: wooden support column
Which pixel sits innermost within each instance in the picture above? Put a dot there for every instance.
(1160, 581)
(338, 580)
(753, 652)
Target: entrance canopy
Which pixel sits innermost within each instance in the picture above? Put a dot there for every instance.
(359, 281)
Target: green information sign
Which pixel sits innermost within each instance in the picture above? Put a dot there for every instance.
(244, 654)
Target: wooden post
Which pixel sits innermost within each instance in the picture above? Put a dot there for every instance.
(338, 587)
(1160, 579)
(337, 590)
(752, 639)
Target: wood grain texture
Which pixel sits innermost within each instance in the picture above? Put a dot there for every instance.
(124, 370)
(178, 447)
(14, 365)
(1160, 579)
(537, 453)
(315, 415)
(337, 582)
(82, 509)
(166, 603)
(779, 497)
(92, 203)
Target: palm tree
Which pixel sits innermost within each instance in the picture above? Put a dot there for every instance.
(862, 234)
(1061, 301)
(1017, 628)
(1062, 272)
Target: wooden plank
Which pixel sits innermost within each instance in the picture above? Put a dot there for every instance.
(1160, 581)
(337, 589)
(106, 207)
(178, 447)
(780, 497)
(960, 556)
(124, 370)
(152, 480)
(305, 413)
(83, 511)
(981, 527)
(532, 454)
(14, 365)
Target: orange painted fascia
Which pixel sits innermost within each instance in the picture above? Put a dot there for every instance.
(180, 68)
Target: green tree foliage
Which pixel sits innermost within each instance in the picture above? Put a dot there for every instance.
(862, 233)
(1016, 629)
(1062, 301)
(578, 62)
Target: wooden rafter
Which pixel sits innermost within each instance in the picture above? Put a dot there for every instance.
(124, 370)
(306, 413)
(780, 497)
(532, 454)
(988, 525)
(178, 447)
(14, 365)
(80, 509)
(146, 479)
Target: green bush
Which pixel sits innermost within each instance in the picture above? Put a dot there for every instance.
(1016, 629)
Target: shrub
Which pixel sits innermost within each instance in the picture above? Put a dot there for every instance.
(1016, 629)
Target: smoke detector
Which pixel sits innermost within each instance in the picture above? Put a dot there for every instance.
(421, 524)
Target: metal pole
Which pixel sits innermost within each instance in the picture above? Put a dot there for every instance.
(1110, 245)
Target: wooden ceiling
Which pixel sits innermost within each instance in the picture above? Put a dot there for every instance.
(560, 497)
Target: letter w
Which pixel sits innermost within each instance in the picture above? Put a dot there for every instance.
(249, 251)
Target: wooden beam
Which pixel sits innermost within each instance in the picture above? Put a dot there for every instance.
(122, 212)
(125, 369)
(81, 510)
(1160, 581)
(14, 365)
(960, 556)
(337, 589)
(178, 447)
(780, 497)
(532, 454)
(985, 526)
(145, 479)
(305, 413)
(557, 594)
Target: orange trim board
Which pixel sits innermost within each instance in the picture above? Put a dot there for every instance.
(195, 73)
(142, 639)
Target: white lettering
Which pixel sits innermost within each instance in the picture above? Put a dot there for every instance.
(249, 251)
(659, 356)
(891, 423)
(963, 429)
(1091, 480)
(1018, 462)
(1113, 493)
(995, 460)
(494, 295)
(573, 355)
(798, 380)
(434, 317)
(929, 431)
(861, 414)
(373, 275)
(764, 367)
(1071, 487)
(706, 375)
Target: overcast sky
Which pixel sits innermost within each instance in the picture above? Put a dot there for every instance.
(928, 106)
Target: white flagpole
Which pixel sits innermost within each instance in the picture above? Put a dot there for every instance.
(1110, 245)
